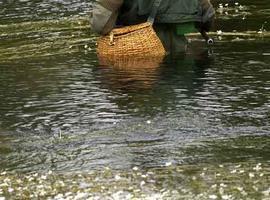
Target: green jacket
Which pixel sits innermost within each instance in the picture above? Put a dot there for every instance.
(170, 11)
(107, 14)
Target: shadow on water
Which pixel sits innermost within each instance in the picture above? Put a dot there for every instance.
(148, 84)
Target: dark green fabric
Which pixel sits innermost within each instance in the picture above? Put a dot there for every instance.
(170, 11)
(178, 11)
(171, 15)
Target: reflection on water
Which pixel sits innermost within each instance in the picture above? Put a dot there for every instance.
(30, 40)
(130, 72)
(147, 85)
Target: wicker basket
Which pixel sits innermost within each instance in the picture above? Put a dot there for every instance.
(131, 62)
(135, 40)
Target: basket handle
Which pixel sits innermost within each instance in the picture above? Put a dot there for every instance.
(154, 11)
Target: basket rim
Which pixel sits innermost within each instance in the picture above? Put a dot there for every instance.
(129, 29)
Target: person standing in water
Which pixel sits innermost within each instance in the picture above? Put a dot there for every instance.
(173, 20)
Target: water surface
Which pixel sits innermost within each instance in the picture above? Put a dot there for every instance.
(63, 109)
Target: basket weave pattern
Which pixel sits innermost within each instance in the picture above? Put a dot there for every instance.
(135, 40)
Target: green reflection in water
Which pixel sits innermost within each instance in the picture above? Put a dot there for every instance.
(45, 38)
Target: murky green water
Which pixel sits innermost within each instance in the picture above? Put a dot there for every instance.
(195, 126)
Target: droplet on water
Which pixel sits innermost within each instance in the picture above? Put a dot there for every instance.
(117, 177)
(142, 183)
(219, 32)
(251, 175)
(213, 196)
(135, 168)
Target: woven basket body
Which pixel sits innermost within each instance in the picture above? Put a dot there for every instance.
(135, 40)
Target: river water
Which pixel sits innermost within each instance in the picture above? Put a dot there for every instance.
(63, 110)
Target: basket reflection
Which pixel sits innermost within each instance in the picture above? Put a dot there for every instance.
(131, 72)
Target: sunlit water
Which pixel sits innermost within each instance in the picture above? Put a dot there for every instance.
(62, 109)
